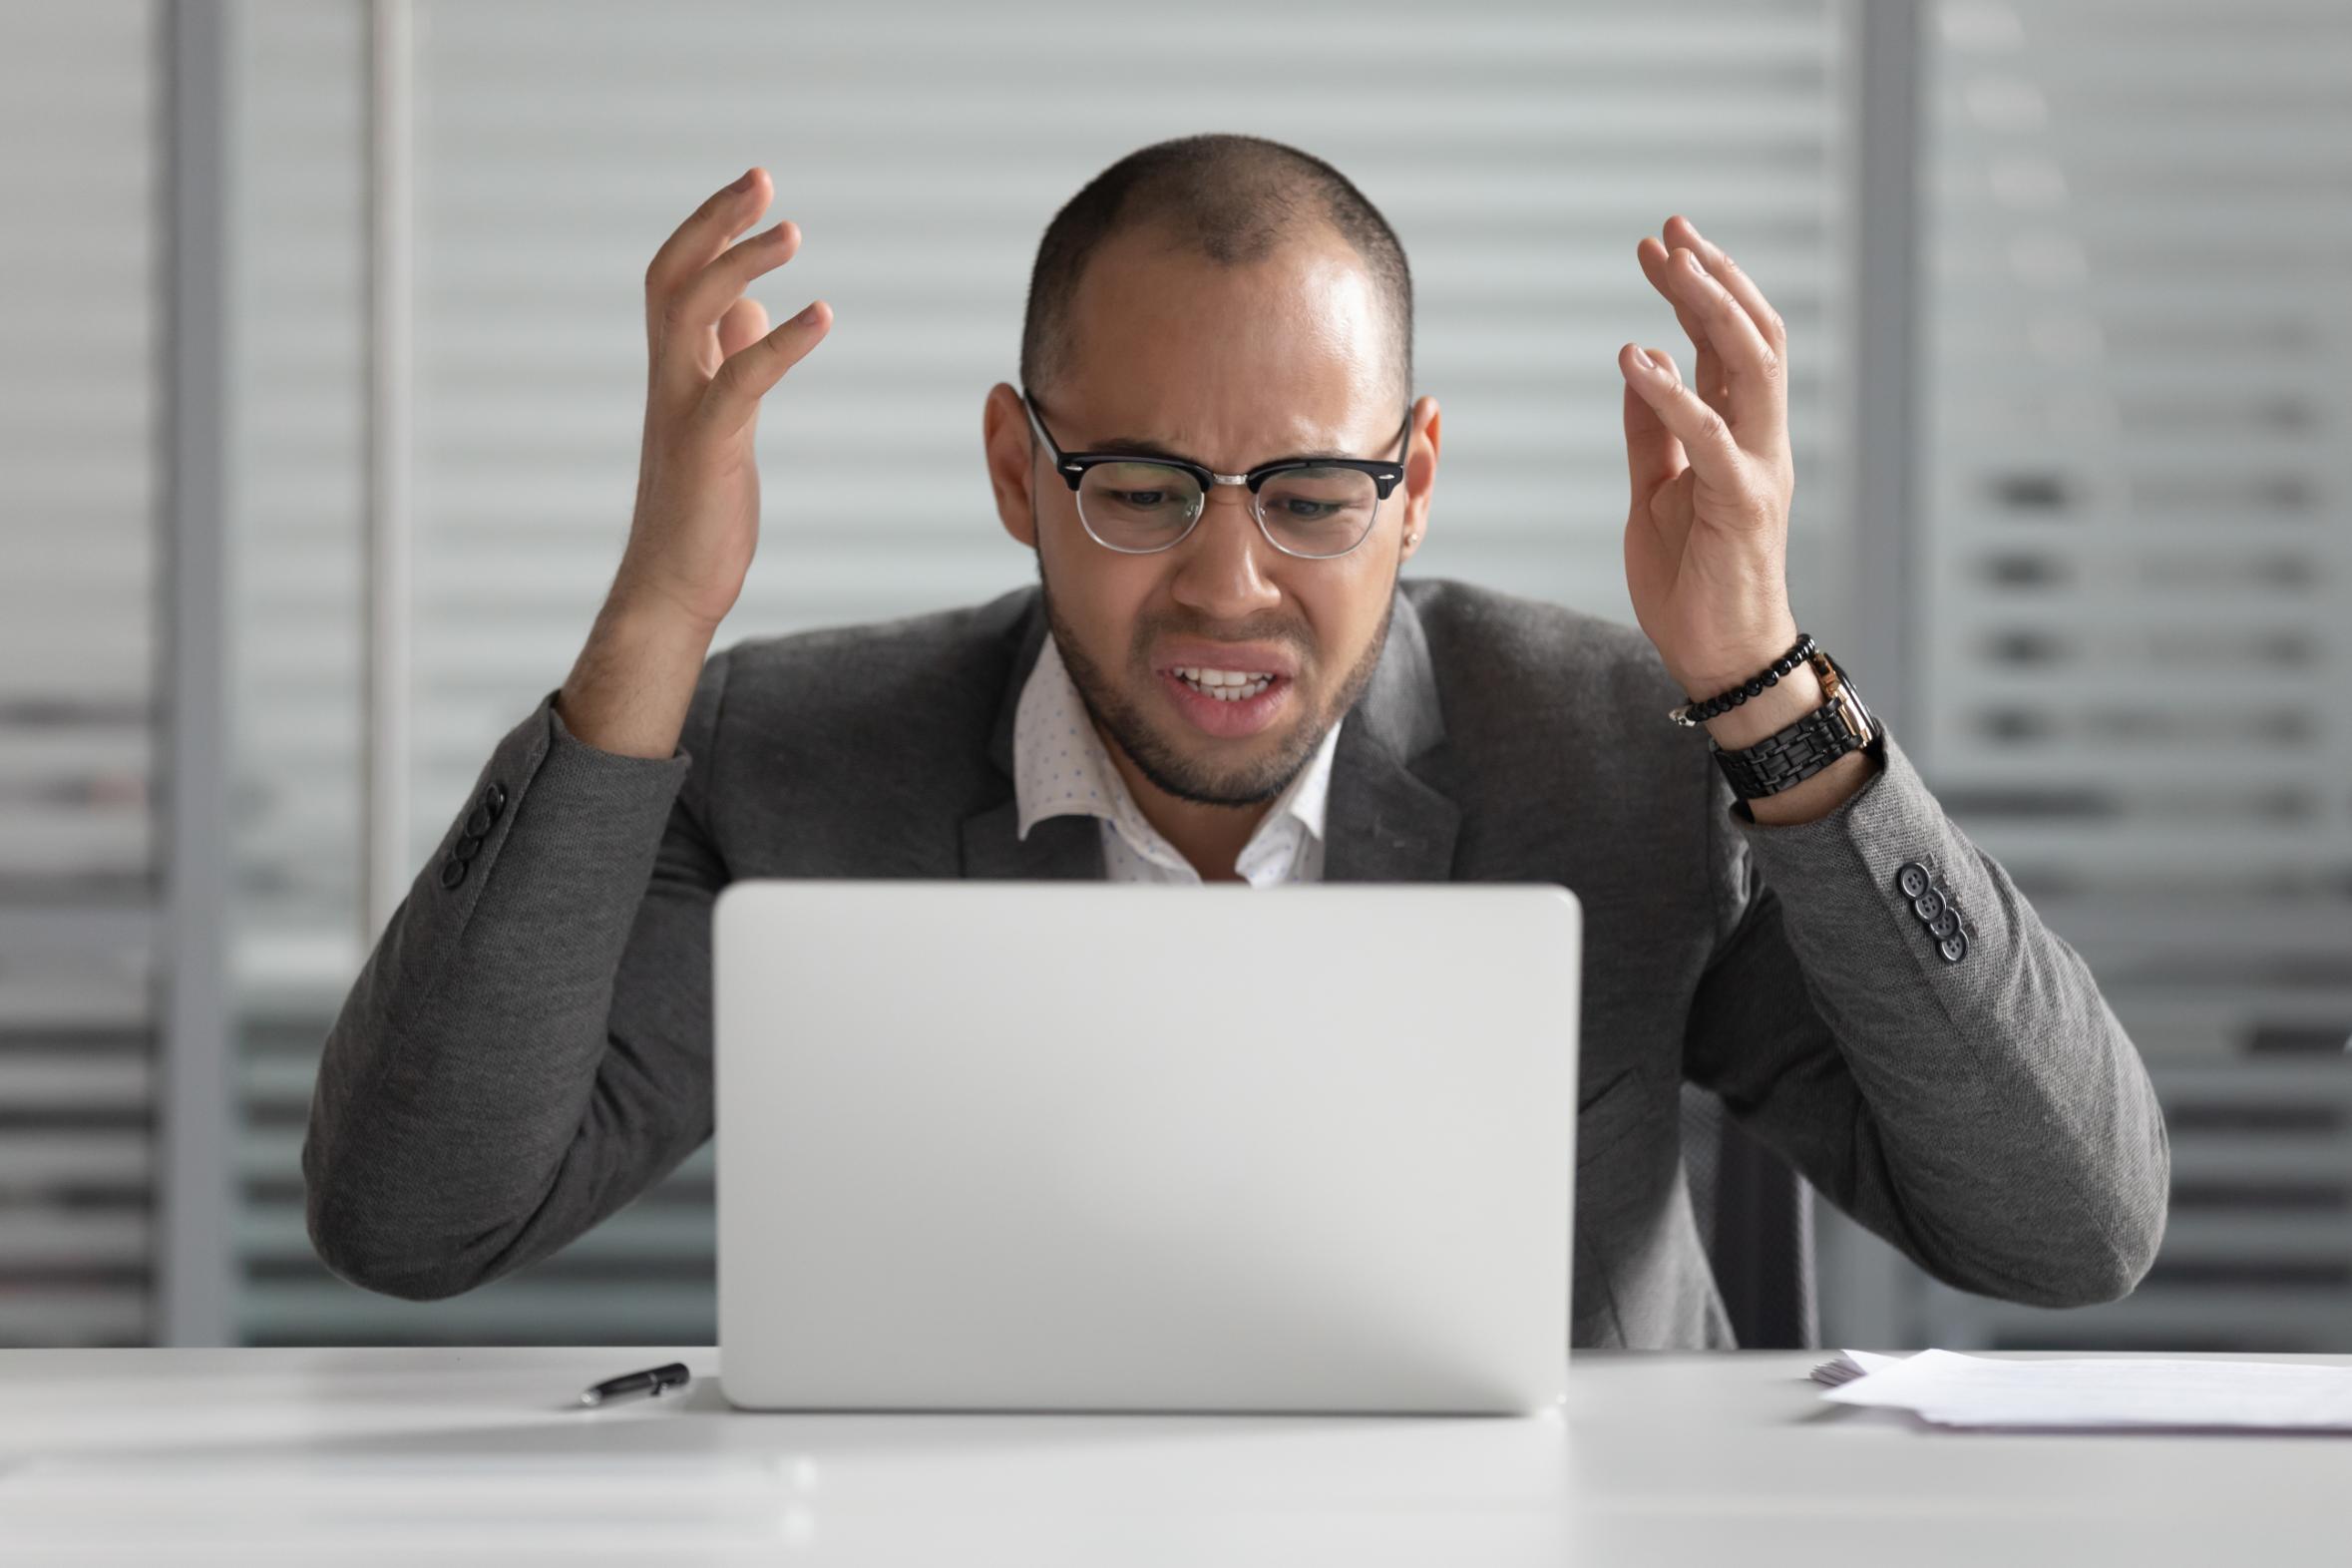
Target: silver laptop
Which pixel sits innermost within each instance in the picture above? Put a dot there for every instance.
(1090, 1146)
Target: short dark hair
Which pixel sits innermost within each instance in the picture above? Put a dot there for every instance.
(1232, 198)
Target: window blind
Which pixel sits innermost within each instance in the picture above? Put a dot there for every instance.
(1520, 151)
(2136, 542)
(78, 563)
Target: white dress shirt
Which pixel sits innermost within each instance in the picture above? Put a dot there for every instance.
(1062, 768)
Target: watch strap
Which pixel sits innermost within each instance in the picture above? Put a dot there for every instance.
(1791, 756)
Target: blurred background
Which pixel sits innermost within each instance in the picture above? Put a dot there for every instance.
(321, 358)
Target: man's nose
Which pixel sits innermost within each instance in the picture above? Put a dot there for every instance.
(1222, 572)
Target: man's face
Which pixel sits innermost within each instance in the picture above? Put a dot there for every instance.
(1231, 367)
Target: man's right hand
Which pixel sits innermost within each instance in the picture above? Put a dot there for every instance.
(711, 360)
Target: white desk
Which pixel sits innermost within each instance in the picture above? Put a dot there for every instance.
(350, 1456)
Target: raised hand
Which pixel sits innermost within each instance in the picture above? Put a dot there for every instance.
(1707, 537)
(712, 359)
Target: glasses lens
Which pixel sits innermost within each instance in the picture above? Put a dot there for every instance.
(1318, 511)
(1138, 506)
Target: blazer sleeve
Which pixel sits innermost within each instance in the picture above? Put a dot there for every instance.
(1988, 1115)
(527, 1047)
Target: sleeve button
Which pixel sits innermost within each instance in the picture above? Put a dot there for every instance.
(1927, 906)
(479, 820)
(494, 799)
(466, 847)
(1912, 879)
(1954, 948)
(452, 871)
(1945, 924)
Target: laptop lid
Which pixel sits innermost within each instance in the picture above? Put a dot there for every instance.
(995, 1145)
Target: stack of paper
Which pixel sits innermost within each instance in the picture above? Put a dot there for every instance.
(2122, 1393)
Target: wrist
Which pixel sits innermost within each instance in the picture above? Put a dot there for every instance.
(651, 624)
(1727, 666)
(654, 608)
(1768, 712)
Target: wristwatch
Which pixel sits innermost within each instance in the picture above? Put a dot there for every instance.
(1839, 725)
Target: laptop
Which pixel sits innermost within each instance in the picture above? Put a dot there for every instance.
(1096, 1146)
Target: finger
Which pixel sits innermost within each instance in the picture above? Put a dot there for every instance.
(732, 398)
(699, 241)
(1707, 373)
(1681, 231)
(1653, 454)
(746, 320)
(1703, 433)
(1751, 370)
(689, 354)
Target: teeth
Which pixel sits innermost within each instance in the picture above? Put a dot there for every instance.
(1226, 686)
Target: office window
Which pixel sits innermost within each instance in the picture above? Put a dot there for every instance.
(2136, 542)
(1520, 153)
(296, 368)
(79, 575)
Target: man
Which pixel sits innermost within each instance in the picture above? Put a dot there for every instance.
(1218, 462)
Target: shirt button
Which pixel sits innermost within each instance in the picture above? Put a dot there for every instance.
(1912, 879)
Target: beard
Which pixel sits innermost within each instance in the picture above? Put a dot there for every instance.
(1167, 764)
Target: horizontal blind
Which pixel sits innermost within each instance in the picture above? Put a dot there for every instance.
(294, 480)
(560, 145)
(77, 563)
(2138, 544)
(1520, 151)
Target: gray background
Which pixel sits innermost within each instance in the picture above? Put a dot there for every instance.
(320, 365)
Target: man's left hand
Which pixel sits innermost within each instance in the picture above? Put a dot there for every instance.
(1706, 538)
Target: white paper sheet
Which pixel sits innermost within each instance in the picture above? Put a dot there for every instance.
(2121, 1394)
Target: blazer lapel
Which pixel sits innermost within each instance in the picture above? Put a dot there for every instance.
(1063, 848)
(1381, 823)
(1058, 848)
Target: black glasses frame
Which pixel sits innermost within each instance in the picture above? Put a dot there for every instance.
(1072, 467)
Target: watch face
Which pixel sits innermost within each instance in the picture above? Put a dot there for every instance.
(1860, 721)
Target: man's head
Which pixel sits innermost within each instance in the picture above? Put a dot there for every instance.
(1233, 303)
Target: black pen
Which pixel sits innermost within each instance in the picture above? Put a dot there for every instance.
(653, 1380)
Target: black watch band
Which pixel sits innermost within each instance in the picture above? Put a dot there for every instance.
(1804, 748)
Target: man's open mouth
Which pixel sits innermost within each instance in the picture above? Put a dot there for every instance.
(1227, 685)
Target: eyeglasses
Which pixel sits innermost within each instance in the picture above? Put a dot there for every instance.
(1315, 508)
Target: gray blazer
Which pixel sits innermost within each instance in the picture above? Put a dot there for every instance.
(528, 1048)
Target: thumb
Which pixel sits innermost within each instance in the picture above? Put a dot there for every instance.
(745, 323)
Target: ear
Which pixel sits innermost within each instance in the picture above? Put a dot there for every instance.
(1421, 474)
(1010, 448)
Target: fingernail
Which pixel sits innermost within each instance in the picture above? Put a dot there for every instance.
(809, 316)
(744, 184)
(1642, 355)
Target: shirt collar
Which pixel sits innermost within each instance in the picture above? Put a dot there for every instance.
(1060, 767)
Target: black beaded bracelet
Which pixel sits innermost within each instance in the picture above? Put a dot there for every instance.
(1754, 686)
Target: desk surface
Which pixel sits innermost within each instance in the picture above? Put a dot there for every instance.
(479, 1455)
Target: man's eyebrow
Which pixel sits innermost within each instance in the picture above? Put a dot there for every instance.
(1144, 446)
